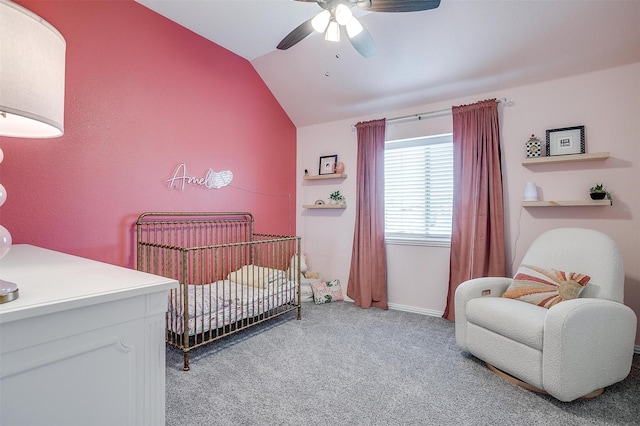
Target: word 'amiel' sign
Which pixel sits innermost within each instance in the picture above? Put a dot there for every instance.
(211, 180)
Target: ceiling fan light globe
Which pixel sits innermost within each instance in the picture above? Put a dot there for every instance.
(354, 27)
(320, 21)
(343, 14)
(333, 32)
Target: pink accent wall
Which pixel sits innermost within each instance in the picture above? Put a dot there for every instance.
(144, 95)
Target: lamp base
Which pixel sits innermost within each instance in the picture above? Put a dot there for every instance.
(8, 291)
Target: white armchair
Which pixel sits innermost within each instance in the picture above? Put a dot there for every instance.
(574, 348)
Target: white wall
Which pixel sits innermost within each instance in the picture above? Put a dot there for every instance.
(606, 102)
(327, 235)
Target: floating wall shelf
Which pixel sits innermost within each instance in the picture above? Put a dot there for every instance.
(324, 206)
(556, 159)
(571, 203)
(331, 176)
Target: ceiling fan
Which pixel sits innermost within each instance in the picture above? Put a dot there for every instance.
(336, 15)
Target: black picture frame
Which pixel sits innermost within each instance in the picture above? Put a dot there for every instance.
(565, 141)
(327, 164)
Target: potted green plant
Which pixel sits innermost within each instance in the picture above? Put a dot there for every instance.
(599, 192)
(337, 198)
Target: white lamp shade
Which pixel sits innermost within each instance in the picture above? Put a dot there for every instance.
(333, 32)
(343, 14)
(320, 21)
(32, 67)
(354, 27)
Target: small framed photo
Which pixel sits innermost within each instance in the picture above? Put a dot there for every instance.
(327, 164)
(568, 140)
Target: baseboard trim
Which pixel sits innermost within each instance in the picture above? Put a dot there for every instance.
(405, 308)
(413, 309)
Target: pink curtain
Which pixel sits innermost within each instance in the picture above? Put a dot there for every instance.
(368, 277)
(477, 234)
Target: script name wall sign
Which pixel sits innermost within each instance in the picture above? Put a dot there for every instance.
(211, 180)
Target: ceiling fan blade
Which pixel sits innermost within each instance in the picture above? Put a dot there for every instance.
(398, 5)
(363, 43)
(297, 35)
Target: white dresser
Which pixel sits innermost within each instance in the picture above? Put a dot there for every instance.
(83, 344)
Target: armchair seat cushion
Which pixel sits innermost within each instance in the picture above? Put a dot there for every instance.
(519, 321)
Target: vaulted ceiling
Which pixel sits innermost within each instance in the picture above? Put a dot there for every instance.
(461, 48)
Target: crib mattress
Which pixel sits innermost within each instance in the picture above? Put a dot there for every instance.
(224, 302)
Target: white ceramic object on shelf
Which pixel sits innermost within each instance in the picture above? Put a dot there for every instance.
(530, 192)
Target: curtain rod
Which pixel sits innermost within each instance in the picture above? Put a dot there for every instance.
(424, 114)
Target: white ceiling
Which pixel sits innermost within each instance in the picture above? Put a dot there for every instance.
(463, 47)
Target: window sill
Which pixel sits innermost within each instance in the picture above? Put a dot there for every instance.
(417, 242)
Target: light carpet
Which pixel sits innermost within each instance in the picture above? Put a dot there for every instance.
(342, 365)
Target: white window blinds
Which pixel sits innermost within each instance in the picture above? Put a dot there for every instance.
(419, 189)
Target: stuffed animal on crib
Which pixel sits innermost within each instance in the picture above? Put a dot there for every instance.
(293, 269)
(312, 274)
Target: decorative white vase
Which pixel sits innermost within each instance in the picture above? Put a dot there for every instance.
(530, 192)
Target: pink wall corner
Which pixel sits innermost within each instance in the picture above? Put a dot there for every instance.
(144, 95)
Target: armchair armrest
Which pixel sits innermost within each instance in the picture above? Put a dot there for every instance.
(588, 344)
(471, 289)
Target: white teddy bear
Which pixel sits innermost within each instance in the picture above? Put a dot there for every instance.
(293, 269)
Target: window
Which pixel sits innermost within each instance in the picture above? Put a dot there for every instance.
(419, 190)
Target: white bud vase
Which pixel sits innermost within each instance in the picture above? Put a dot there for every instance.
(530, 192)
